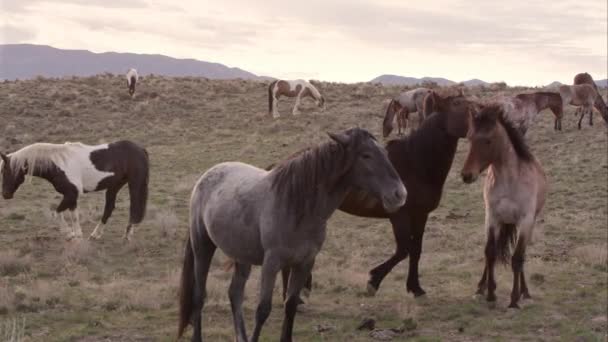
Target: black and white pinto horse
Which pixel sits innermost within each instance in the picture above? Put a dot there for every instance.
(76, 168)
(292, 88)
(132, 79)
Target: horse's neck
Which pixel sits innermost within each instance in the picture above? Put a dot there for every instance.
(433, 150)
(506, 165)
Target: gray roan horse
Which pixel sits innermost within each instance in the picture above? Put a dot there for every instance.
(276, 219)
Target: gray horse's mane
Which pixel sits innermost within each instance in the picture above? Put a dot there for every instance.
(299, 177)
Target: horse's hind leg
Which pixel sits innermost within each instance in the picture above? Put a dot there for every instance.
(297, 280)
(413, 282)
(582, 111)
(590, 110)
(203, 250)
(236, 294)
(270, 268)
(107, 212)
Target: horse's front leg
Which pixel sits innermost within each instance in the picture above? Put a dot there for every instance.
(296, 107)
(69, 201)
(590, 110)
(271, 266)
(401, 224)
(297, 281)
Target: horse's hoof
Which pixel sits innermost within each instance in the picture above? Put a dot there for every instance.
(371, 290)
(94, 237)
(491, 297)
(526, 296)
(305, 292)
(513, 306)
(419, 293)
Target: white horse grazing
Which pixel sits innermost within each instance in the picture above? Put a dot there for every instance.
(132, 78)
(292, 88)
(402, 105)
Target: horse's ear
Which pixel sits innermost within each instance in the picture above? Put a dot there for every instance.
(341, 138)
(460, 91)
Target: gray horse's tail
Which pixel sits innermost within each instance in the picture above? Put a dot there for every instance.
(186, 289)
(270, 96)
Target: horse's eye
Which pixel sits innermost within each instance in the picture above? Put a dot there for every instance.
(366, 156)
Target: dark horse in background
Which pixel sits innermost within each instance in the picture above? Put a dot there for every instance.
(600, 105)
(423, 160)
(74, 169)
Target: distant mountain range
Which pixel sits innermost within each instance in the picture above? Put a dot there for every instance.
(24, 61)
(600, 83)
(409, 81)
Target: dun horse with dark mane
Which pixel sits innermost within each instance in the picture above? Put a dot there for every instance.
(514, 194)
(600, 105)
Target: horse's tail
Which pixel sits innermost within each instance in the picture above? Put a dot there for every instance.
(271, 96)
(428, 104)
(138, 189)
(600, 105)
(506, 240)
(186, 289)
(389, 117)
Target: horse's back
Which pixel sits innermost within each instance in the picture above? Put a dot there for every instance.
(229, 198)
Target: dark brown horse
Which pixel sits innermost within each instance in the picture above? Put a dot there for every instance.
(423, 160)
(600, 105)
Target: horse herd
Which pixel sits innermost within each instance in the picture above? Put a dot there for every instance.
(276, 217)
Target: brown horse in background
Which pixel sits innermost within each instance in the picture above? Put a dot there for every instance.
(582, 96)
(514, 194)
(423, 160)
(600, 105)
(541, 100)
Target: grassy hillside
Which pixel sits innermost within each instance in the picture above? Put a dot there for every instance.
(112, 291)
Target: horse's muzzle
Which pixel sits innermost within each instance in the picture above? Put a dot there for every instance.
(395, 200)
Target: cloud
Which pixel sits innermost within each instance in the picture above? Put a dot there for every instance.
(14, 34)
(21, 6)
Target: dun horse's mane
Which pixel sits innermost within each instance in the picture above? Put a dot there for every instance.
(39, 156)
(517, 139)
(299, 177)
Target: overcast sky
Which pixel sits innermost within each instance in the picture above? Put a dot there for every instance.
(520, 42)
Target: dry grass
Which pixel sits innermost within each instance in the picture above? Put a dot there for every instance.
(111, 291)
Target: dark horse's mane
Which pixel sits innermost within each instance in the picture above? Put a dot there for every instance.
(484, 119)
(299, 176)
(427, 143)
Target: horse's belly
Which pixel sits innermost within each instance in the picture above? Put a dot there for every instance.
(236, 233)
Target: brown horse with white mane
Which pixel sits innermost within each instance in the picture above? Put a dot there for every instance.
(582, 96)
(514, 194)
(292, 88)
(600, 105)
